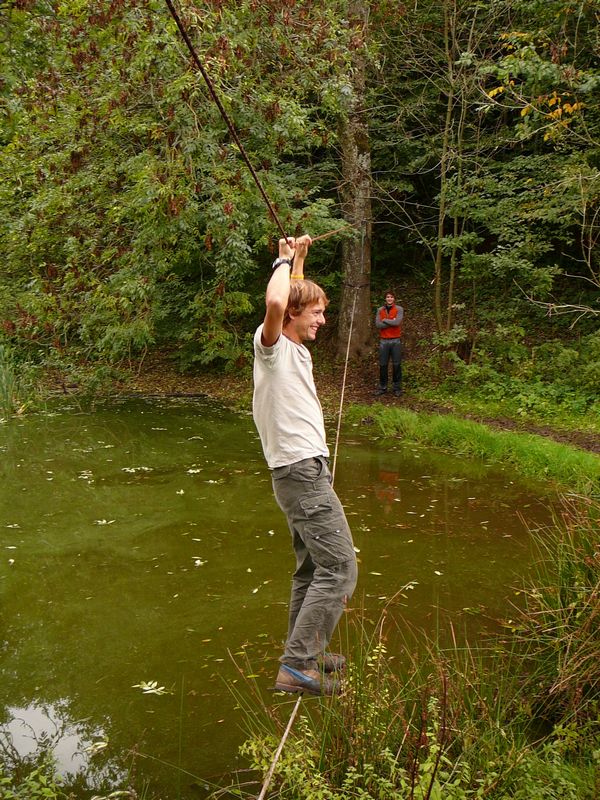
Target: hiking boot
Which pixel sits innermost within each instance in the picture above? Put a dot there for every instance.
(381, 390)
(333, 662)
(397, 391)
(305, 680)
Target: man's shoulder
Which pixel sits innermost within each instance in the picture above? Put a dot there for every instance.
(277, 350)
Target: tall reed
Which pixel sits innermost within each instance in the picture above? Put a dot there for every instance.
(15, 383)
(559, 628)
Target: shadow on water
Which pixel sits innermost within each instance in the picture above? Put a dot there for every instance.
(141, 543)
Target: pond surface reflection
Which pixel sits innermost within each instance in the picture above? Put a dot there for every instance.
(141, 543)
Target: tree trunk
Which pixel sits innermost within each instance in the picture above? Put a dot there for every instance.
(355, 195)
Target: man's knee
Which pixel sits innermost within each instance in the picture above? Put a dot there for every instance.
(348, 575)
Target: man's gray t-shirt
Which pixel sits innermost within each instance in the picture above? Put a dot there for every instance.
(285, 406)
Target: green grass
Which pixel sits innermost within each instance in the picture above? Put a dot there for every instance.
(531, 456)
(464, 401)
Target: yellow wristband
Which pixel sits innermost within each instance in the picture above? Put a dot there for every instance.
(297, 277)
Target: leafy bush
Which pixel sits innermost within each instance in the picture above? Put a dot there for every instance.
(543, 381)
(40, 783)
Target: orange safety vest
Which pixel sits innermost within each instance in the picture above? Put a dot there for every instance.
(389, 332)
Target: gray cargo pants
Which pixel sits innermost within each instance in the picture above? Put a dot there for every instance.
(326, 569)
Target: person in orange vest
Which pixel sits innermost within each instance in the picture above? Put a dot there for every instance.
(388, 321)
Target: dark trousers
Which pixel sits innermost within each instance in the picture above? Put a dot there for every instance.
(390, 349)
(326, 569)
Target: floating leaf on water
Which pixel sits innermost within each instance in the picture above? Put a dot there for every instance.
(374, 573)
(180, 491)
(198, 562)
(104, 521)
(11, 561)
(357, 549)
(13, 525)
(96, 747)
(151, 687)
(437, 572)
(193, 471)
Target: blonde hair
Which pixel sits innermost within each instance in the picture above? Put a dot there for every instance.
(303, 294)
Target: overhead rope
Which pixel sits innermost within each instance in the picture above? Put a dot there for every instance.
(215, 96)
(269, 775)
(234, 135)
(217, 100)
(347, 359)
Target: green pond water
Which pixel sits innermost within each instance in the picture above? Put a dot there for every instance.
(141, 543)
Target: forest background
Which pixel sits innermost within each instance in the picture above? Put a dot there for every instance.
(458, 144)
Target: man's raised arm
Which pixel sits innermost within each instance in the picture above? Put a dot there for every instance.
(292, 251)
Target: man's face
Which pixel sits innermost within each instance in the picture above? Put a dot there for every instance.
(390, 299)
(306, 324)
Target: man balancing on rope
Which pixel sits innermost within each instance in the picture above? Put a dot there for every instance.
(289, 419)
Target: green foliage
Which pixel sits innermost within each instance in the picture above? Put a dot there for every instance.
(117, 179)
(40, 783)
(128, 216)
(217, 331)
(546, 382)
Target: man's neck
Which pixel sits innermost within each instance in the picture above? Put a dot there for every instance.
(290, 332)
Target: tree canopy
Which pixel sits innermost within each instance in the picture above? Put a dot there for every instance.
(460, 141)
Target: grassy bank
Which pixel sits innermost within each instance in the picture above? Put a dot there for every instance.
(532, 456)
